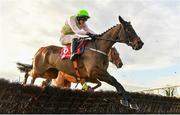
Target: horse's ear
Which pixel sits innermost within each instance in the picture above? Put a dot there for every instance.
(121, 20)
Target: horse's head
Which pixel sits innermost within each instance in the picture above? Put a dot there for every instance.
(114, 57)
(129, 35)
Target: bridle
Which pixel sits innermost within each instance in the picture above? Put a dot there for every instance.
(129, 41)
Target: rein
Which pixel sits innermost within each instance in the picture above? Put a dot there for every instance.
(96, 50)
(109, 40)
(128, 42)
(99, 51)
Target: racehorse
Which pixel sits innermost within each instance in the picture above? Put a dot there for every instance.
(64, 80)
(114, 57)
(93, 63)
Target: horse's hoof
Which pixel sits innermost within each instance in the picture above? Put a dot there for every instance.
(134, 106)
(124, 102)
(43, 87)
(24, 84)
(85, 87)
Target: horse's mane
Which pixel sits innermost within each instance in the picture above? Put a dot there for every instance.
(107, 30)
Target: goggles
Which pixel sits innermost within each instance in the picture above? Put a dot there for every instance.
(83, 18)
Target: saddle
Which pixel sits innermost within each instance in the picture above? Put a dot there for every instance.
(65, 52)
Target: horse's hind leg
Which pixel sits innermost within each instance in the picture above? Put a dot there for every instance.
(34, 74)
(46, 83)
(67, 84)
(96, 81)
(25, 78)
(33, 80)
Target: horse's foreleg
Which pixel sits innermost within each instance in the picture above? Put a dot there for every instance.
(34, 75)
(98, 84)
(106, 77)
(112, 81)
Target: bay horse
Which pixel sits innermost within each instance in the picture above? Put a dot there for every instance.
(64, 80)
(93, 63)
(114, 57)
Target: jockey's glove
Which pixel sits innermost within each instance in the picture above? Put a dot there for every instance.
(89, 34)
(93, 36)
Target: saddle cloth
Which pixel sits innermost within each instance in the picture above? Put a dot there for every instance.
(65, 52)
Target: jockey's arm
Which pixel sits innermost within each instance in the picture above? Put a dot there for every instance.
(74, 27)
(87, 29)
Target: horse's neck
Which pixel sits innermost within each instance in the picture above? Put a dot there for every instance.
(109, 36)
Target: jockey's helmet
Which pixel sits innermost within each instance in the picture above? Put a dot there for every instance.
(83, 14)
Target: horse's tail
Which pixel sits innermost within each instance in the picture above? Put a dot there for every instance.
(24, 67)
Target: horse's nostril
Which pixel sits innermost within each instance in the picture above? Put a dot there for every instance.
(142, 43)
(119, 65)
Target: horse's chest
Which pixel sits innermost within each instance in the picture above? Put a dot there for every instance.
(101, 60)
(105, 63)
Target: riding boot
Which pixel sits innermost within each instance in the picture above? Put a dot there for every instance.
(73, 48)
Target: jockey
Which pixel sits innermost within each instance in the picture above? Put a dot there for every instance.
(73, 27)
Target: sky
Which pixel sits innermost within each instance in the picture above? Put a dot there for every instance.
(27, 25)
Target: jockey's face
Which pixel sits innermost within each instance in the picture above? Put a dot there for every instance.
(82, 20)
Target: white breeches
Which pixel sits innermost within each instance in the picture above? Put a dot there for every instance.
(66, 39)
